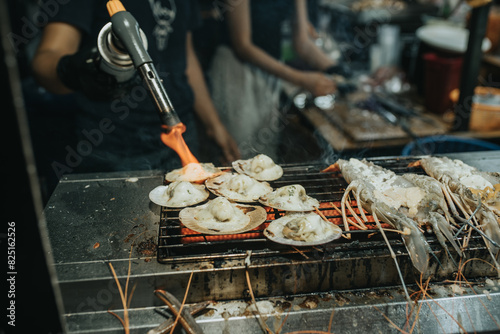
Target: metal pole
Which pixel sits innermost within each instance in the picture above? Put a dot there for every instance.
(471, 66)
(34, 300)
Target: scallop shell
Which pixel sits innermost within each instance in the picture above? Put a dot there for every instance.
(238, 187)
(243, 218)
(274, 231)
(193, 172)
(179, 194)
(261, 167)
(290, 198)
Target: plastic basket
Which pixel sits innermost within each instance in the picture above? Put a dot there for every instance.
(446, 144)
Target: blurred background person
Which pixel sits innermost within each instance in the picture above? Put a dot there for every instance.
(247, 68)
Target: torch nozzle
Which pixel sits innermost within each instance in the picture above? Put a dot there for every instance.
(168, 116)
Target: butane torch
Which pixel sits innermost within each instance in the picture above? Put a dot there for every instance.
(123, 49)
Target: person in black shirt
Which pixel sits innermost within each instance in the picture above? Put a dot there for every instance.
(122, 131)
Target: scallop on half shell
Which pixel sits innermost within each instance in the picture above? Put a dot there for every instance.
(220, 216)
(302, 229)
(193, 172)
(290, 198)
(238, 187)
(179, 194)
(261, 167)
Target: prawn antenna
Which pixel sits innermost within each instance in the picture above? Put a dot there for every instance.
(439, 262)
(393, 255)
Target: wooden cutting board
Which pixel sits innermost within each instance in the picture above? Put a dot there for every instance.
(364, 125)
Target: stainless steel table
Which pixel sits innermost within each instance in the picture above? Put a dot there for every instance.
(94, 219)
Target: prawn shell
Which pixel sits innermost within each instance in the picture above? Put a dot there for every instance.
(254, 217)
(274, 232)
(244, 167)
(215, 185)
(209, 170)
(157, 196)
(292, 204)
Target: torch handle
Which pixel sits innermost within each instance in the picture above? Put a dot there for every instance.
(127, 30)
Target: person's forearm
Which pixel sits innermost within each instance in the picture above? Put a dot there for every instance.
(240, 29)
(306, 50)
(45, 71)
(205, 108)
(312, 55)
(303, 45)
(203, 104)
(58, 39)
(258, 57)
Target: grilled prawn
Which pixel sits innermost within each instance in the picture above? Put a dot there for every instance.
(433, 210)
(403, 201)
(476, 194)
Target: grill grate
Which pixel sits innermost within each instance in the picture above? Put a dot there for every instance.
(176, 243)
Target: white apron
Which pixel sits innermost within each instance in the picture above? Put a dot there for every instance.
(247, 100)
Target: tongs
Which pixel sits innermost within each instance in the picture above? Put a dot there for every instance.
(398, 109)
(374, 104)
(186, 315)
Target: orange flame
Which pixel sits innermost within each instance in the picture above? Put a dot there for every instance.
(175, 141)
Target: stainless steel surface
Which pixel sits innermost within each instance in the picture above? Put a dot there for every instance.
(360, 311)
(94, 219)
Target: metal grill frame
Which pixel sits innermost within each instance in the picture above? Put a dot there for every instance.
(326, 187)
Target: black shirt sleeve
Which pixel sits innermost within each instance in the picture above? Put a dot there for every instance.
(194, 20)
(79, 13)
